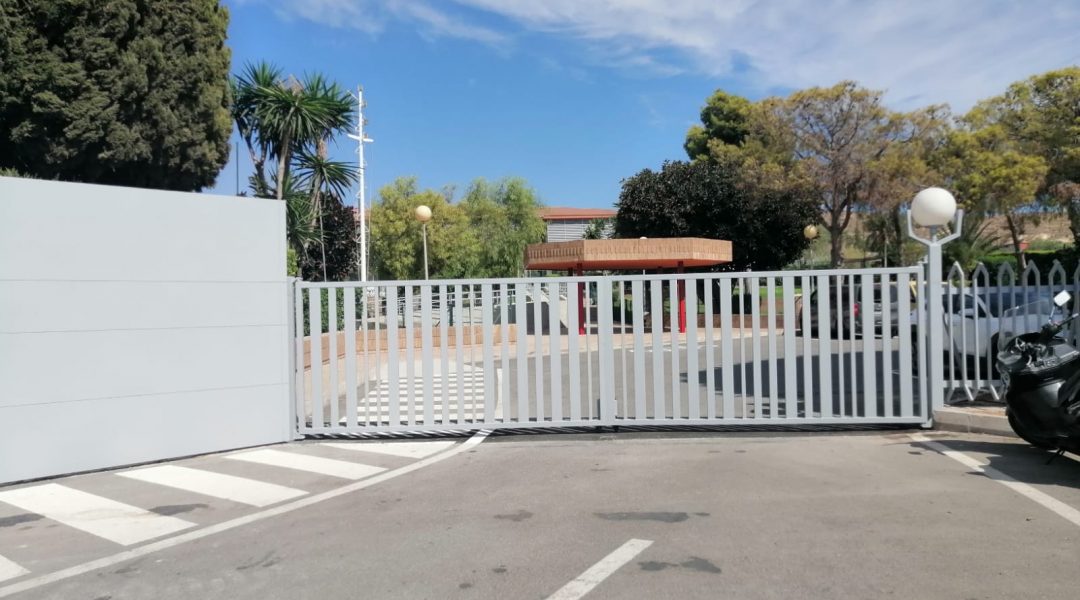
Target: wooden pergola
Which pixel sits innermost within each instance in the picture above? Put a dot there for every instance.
(648, 254)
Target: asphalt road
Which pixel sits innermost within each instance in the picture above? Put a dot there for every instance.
(713, 516)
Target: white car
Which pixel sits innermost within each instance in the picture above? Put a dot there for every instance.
(973, 322)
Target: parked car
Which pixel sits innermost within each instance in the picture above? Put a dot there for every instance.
(840, 317)
(973, 323)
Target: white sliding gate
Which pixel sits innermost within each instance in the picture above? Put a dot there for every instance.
(783, 348)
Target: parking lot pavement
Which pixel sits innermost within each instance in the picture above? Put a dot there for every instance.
(641, 516)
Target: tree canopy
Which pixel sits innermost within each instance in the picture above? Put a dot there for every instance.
(728, 201)
(126, 92)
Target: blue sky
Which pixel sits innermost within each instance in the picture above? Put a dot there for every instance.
(575, 95)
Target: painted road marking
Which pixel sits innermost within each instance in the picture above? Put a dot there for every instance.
(1047, 501)
(109, 519)
(601, 570)
(198, 534)
(402, 449)
(313, 464)
(218, 485)
(10, 570)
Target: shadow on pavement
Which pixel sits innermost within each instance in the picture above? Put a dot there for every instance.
(1021, 462)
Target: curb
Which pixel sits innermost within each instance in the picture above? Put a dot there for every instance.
(972, 421)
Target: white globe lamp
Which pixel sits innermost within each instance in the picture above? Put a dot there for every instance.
(423, 213)
(933, 207)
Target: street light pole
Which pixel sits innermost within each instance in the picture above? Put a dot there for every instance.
(932, 208)
(361, 203)
(423, 214)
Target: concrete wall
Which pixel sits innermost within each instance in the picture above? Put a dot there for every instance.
(137, 325)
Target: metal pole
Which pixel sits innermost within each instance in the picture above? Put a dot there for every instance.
(424, 228)
(362, 201)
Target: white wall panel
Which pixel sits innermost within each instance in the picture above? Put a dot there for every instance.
(137, 325)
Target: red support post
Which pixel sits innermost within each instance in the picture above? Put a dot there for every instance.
(682, 300)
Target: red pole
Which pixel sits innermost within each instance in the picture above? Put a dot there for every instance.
(580, 303)
(682, 300)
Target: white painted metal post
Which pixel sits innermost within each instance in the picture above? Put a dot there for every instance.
(935, 320)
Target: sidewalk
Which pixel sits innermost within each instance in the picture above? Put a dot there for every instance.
(974, 417)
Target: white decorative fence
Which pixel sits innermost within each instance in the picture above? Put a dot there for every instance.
(973, 319)
(811, 347)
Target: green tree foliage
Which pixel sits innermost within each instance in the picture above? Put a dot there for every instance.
(599, 229)
(125, 92)
(990, 173)
(338, 248)
(396, 238)
(1041, 116)
(729, 201)
(724, 120)
(289, 123)
(506, 216)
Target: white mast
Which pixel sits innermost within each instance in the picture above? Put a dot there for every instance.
(361, 205)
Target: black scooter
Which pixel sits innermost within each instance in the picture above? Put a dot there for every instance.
(1041, 372)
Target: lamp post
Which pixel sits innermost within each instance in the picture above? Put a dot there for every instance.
(423, 214)
(810, 232)
(932, 208)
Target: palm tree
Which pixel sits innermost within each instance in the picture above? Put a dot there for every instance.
(291, 122)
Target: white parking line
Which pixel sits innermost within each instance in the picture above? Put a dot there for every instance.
(601, 570)
(10, 570)
(198, 534)
(217, 485)
(109, 519)
(312, 464)
(402, 449)
(1047, 501)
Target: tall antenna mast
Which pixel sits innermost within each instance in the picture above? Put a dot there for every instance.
(361, 204)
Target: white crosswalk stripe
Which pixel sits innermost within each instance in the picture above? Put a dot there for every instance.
(105, 518)
(10, 570)
(402, 449)
(313, 464)
(217, 485)
(461, 393)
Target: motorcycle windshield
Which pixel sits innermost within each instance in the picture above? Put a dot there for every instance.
(1027, 318)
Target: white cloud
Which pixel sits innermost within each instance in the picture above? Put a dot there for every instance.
(921, 51)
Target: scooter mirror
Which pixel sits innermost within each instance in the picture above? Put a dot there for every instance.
(1062, 299)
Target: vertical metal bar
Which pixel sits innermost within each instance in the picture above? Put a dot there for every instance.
(409, 314)
(854, 396)
(555, 348)
(922, 308)
(791, 371)
(625, 395)
(903, 314)
(676, 371)
(808, 351)
(606, 352)
(393, 355)
(727, 351)
(300, 387)
(444, 351)
(590, 399)
(774, 387)
(656, 314)
(459, 352)
(637, 298)
(710, 359)
(869, 353)
(315, 318)
(491, 391)
(428, 373)
(380, 315)
(504, 351)
(693, 396)
(755, 366)
(521, 318)
(887, 344)
(573, 335)
(538, 348)
(350, 355)
(332, 333)
(825, 363)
